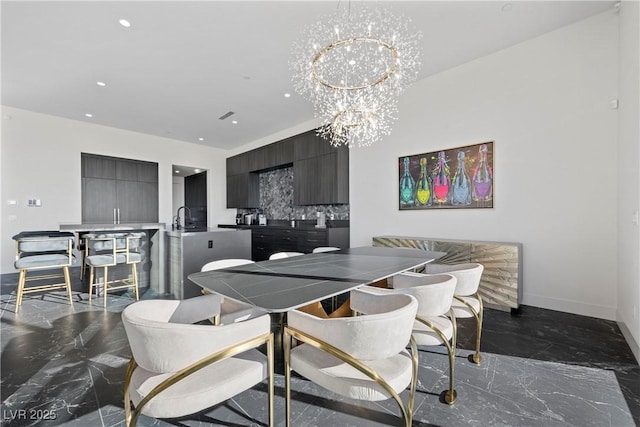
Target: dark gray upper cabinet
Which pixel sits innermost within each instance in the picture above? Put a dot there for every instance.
(243, 190)
(321, 171)
(98, 167)
(322, 180)
(237, 164)
(309, 145)
(118, 190)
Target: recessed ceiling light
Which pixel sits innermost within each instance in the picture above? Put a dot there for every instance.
(196, 170)
(103, 84)
(287, 95)
(89, 115)
(177, 171)
(235, 122)
(125, 23)
(200, 139)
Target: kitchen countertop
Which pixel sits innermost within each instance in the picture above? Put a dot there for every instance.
(285, 224)
(188, 231)
(113, 227)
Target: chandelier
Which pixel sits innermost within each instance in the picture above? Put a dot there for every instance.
(353, 65)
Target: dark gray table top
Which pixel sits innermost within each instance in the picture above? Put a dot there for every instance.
(285, 284)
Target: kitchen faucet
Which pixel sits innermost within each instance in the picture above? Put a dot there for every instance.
(188, 211)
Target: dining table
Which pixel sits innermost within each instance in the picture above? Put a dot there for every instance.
(278, 286)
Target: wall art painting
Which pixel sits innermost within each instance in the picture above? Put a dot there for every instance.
(447, 179)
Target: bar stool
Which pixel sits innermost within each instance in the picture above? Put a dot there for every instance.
(39, 251)
(110, 250)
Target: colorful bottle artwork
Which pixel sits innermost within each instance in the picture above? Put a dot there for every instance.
(482, 178)
(406, 186)
(461, 185)
(423, 185)
(441, 180)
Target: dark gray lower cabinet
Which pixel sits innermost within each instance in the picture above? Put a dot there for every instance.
(266, 241)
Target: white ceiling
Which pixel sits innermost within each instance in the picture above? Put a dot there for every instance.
(181, 65)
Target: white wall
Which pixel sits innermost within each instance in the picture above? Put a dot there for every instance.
(41, 159)
(546, 104)
(629, 176)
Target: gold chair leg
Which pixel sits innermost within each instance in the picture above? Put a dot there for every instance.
(270, 361)
(286, 344)
(21, 280)
(90, 283)
(134, 277)
(479, 318)
(104, 289)
(67, 281)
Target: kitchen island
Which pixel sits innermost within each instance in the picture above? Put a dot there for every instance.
(188, 250)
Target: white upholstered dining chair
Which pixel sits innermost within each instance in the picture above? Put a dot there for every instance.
(321, 249)
(434, 294)
(232, 311)
(362, 357)
(467, 301)
(180, 368)
(281, 255)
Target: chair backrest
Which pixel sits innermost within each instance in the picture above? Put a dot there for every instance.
(225, 263)
(325, 249)
(160, 345)
(44, 241)
(383, 330)
(280, 255)
(46, 249)
(468, 275)
(433, 292)
(105, 241)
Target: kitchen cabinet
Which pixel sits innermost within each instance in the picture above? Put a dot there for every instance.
(243, 190)
(321, 180)
(272, 156)
(321, 171)
(309, 145)
(266, 241)
(118, 190)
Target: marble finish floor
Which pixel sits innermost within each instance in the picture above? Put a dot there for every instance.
(65, 366)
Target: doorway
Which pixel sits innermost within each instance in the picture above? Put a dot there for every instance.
(190, 190)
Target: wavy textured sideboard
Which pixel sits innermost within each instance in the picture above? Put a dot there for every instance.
(501, 284)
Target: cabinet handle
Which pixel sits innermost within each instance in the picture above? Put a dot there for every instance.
(118, 215)
(114, 216)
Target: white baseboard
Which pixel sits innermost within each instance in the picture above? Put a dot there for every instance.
(633, 344)
(570, 306)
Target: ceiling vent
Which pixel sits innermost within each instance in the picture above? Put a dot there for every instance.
(224, 116)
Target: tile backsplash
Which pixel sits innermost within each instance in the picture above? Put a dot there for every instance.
(276, 199)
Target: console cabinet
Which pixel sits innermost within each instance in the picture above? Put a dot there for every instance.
(501, 283)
